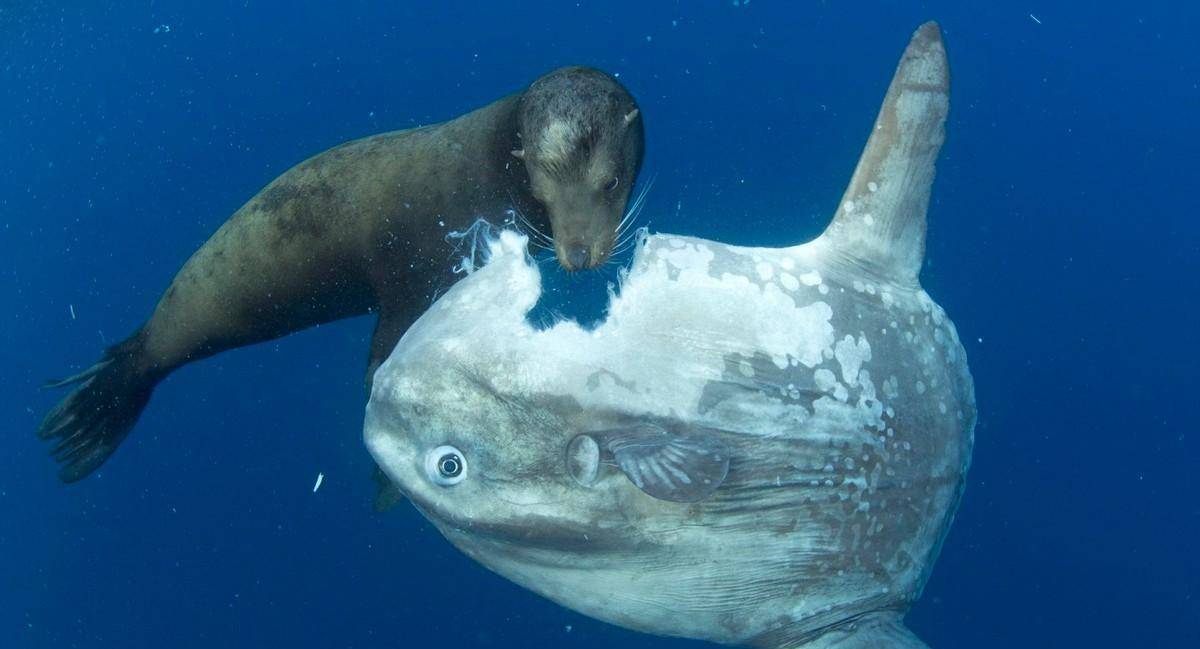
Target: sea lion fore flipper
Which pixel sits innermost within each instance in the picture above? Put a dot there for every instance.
(90, 422)
(390, 326)
(389, 495)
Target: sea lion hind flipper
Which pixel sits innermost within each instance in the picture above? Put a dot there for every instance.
(388, 330)
(90, 422)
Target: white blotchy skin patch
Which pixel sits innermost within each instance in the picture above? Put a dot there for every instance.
(672, 313)
(851, 355)
(670, 307)
(765, 271)
(687, 256)
(827, 382)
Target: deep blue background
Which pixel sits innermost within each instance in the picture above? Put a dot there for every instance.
(1063, 240)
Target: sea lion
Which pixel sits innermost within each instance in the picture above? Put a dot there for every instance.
(758, 446)
(361, 228)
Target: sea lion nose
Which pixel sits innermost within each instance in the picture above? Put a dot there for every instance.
(578, 257)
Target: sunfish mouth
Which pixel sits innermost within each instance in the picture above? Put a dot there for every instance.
(527, 536)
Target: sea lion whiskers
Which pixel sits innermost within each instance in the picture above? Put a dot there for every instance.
(627, 235)
(629, 242)
(635, 209)
(536, 237)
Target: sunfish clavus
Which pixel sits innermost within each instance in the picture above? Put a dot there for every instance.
(758, 446)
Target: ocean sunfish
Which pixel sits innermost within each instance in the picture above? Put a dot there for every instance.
(757, 446)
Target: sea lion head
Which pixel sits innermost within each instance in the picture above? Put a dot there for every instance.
(582, 144)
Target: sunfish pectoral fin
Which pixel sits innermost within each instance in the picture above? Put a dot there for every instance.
(683, 468)
(880, 223)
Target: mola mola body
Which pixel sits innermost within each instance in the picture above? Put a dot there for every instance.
(758, 446)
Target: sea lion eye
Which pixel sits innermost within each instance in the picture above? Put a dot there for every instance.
(445, 466)
(612, 184)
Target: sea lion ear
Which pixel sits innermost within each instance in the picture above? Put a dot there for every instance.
(668, 466)
(632, 115)
(519, 153)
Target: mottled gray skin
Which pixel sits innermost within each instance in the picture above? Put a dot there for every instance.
(362, 228)
(838, 389)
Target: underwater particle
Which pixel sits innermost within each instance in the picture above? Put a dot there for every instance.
(1035, 19)
(320, 479)
(72, 307)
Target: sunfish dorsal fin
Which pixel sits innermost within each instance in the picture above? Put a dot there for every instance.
(880, 223)
(678, 468)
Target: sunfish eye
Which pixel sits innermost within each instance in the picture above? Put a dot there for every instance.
(445, 466)
(450, 466)
(612, 184)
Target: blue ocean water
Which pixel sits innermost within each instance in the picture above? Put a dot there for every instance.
(1062, 240)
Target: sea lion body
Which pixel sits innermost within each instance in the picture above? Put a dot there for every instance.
(362, 228)
(358, 228)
